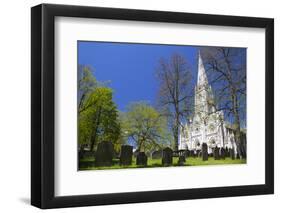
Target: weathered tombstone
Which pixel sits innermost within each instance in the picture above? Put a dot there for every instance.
(182, 157)
(126, 155)
(232, 154)
(182, 152)
(81, 154)
(167, 158)
(104, 154)
(187, 153)
(216, 153)
(181, 160)
(89, 154)
(156, 154)
(141, 159)
(192, 154)
(227, 152)
(237, 156)
(222, 153)
(204, 152)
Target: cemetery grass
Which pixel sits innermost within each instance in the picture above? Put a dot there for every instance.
(89, 163)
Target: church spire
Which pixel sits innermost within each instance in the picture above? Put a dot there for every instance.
(202, 77)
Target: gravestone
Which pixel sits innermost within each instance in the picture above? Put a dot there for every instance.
(104, 154)
(222, 153)
(237, 156)
(141, 159)
(167, 158)
(126, 155)
(182, 157)
(187, 153)
(204, 152)
(181, 160)
(227, 152)
(157, 154)
(81, 154)
(196, 153)
(232, 154)
(192, 154)
(216, 153)
(182, 152)
(89, 154)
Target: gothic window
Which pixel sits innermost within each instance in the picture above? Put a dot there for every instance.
(211, 128)
(196, 143)
(212, 142)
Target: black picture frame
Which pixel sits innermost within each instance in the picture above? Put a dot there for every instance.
(43, 102)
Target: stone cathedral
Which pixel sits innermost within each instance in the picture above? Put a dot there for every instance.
(207, 125)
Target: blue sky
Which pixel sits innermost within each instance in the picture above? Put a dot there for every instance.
(130, 68)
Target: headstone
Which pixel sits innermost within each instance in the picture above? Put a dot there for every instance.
(237, 156)
(181, 160)
(126, 155)
(182, 157)
(216, 153)
(204, 152)
(167, 158)
(89, 154)
(182, 152)
(141, 159)
(104, 154)
(222, 153)
(227, 152)
(156, 154)
(192, 154)
(232, 154)
(176, 153)
(81, 154)
(187, 153)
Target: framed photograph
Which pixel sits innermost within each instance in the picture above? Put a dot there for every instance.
(140, 106)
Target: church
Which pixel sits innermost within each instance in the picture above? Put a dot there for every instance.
(208, 124)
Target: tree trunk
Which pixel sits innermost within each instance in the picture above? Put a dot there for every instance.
(94, 132)
(176, 133)
(237, 133)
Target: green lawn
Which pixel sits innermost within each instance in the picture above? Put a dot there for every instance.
(88, 163)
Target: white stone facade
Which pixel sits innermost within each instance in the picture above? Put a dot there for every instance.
(207, 125)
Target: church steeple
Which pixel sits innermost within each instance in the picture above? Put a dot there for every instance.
(203, 91)
(202, 77)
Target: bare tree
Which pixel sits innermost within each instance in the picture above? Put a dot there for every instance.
(227, 72)
(174, 77)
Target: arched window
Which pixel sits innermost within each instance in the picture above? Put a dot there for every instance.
(211, 128)
(212, 142)
(196, 143)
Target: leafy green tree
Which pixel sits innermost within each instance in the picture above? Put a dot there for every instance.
(86, 84)
(99, 122)
(97, 113)
(145, 126)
